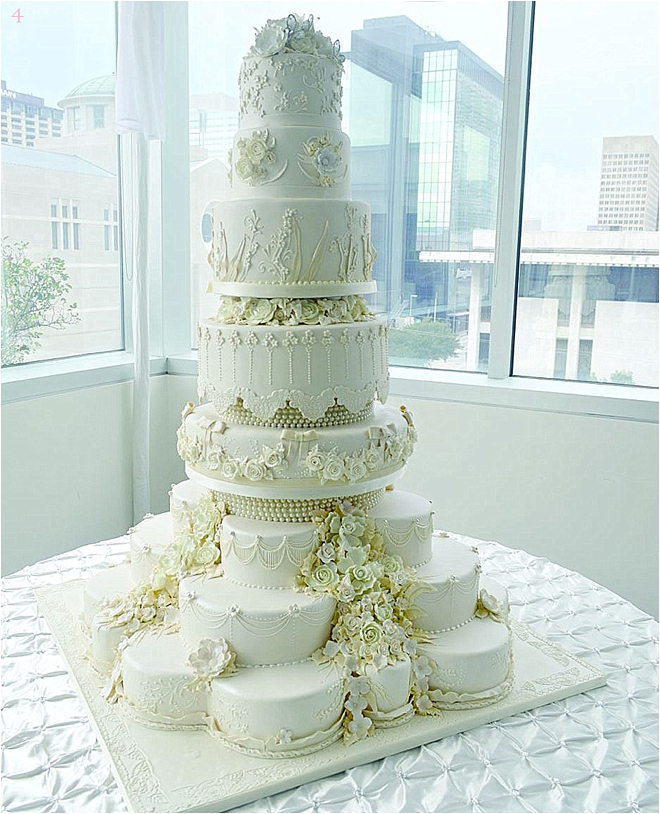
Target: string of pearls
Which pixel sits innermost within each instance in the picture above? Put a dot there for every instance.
(291, 417)
(288, 510)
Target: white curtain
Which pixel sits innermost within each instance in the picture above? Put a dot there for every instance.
(140, 112)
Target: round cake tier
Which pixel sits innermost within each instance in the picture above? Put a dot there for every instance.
(277, 710)
(472, 663)
(291, 247)
(451, 585)
(309, 367)
(261, 626)
(262, 554)
(267, 462)
(406, 522)
(148, 540)
(291, 162)
(156, 680)
(290, 88)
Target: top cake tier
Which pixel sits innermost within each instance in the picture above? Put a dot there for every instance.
(292, 76)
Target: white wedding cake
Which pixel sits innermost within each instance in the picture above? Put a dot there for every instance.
(292, 596)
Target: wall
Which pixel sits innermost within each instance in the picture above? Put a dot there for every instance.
(580, 490)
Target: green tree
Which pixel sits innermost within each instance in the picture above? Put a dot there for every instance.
(34, 297)
(423, 341)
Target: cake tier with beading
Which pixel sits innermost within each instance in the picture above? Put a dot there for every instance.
(261, 626)
(291, 463)
(309, 367)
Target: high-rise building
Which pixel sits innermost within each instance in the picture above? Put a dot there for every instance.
(424, 119)
(628, 198)
(26, 117)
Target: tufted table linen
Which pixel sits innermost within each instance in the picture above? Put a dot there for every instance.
(592, 752)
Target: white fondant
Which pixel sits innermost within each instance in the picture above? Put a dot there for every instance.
(451, 581)
(291, 171)
(474, 658)
(290, 88)
(105, 639)
(391, 688)
(310, 367)
(156, 680)
(147, 540)
(277, 705)
(262, 627)
(239, 455)
(264, 554)
(406, 522)
(261, 244)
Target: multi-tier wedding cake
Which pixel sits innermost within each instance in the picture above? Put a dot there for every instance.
(292, 596)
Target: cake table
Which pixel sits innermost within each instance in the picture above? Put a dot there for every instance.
(592, 752)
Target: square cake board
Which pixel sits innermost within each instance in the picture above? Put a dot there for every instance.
(189, 770)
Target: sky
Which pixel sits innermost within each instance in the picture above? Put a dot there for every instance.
(594, 70)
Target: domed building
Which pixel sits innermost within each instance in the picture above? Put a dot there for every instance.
(89, 123)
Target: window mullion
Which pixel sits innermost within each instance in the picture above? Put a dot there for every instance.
(175, 186)
(509, 203)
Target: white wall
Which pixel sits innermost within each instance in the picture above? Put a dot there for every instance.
(580, 490)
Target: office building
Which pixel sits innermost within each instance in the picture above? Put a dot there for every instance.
(212, 125)
(424, 119)
(26, 117)
(628, 198)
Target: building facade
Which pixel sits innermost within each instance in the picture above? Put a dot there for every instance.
(26, 117)
(628, 199)
(424, 119)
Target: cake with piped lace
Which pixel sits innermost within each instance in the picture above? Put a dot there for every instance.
(292, 596)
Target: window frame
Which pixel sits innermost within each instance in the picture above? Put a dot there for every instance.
(170, 290)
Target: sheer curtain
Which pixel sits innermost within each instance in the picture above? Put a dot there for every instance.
(140, 117)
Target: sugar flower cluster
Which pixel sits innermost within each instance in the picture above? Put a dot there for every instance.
(293, 34)
(288, 311)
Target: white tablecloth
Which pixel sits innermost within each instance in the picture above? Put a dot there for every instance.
(592, 752)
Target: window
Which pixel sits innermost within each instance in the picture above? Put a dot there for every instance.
(98, 112)
(42, 202)
(588, 318)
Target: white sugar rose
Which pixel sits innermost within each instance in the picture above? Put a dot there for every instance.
(270, 40)
(362, 577)
(322, 577)
(206, 555)
(371, 634)
(259, 311)
(346, 591)
(326, 553)
(230, 469)
(273, 456)
(334, 468)
(244, 168)
(337, 310)
(356, 469)
(308, 312)
(255, 470)
(256, 150)
(315, 461)
(214, 459)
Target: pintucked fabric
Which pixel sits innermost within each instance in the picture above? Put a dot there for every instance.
(591, 752)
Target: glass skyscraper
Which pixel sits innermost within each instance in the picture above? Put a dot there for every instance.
(424, 119)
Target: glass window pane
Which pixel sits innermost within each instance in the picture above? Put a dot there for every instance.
(588, 282)
(61, 58)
